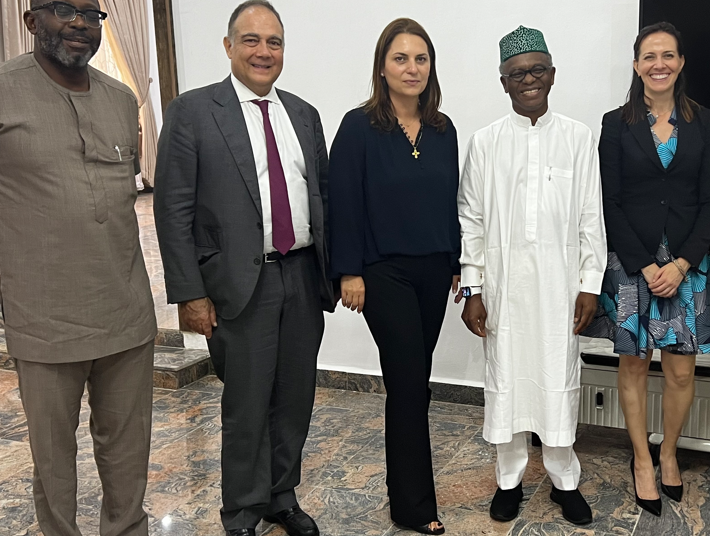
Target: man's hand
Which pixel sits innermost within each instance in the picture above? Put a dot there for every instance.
(352, 290)
(474, 315)
(198, 316)
(667, 279)
(584, 311)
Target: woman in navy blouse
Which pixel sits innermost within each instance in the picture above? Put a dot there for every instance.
(395, 245)
(655, 165)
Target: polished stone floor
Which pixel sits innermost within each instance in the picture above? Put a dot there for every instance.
(343, 483)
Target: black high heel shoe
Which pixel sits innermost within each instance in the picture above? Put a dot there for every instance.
(654, 505)
(674, 493)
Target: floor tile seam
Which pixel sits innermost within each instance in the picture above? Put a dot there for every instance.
(638, 520)
(367, 444)
(455, 456)
(606, 480)
(204, 391)
(5, 438)
(357, 491)
(197, 427)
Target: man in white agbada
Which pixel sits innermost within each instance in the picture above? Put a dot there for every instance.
(532, 263)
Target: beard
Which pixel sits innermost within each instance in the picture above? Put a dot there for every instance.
(53, 48)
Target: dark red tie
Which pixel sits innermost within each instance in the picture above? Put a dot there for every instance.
(282, 234)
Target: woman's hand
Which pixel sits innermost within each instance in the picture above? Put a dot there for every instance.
(352, 290)
(649, 273)
(456, 288)
(667, 279)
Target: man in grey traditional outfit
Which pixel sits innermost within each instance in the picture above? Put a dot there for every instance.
(76, 295)
(533, 258)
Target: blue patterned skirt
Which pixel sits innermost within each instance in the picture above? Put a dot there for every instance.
(639, 322)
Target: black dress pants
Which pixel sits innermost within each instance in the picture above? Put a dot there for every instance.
(405, 303)
(266, 358)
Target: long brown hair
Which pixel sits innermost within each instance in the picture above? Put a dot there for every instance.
(379, 106)
(635, 109)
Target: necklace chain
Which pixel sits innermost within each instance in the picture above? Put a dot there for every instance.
(414, 143)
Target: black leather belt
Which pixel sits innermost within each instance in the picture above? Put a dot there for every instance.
(277, 256)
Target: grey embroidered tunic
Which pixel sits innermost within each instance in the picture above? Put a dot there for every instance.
(73, 280)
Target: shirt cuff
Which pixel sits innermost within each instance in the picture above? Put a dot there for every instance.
(471, 276)
(591, 282)
(475, 291)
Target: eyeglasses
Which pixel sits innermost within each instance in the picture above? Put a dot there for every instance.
(67, 13)
(537, 72)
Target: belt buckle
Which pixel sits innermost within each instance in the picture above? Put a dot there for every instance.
(266, 259)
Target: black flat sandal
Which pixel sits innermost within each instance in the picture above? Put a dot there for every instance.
(424, 529)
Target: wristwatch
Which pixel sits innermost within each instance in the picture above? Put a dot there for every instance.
(467, 292)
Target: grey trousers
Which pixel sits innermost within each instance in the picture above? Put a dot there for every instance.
(120, 396)
(266, 358)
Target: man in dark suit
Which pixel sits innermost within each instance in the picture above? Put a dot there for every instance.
(240, 205)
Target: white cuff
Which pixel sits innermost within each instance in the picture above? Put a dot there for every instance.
(471, 276)
(591, 282)
(475, 291)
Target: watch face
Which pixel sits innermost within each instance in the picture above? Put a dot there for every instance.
(466, 292)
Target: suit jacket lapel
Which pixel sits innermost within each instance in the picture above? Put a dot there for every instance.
(686, 132)
(642, 133)
(230, 120)
(304, 133)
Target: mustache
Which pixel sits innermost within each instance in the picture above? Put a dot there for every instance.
(79, 35)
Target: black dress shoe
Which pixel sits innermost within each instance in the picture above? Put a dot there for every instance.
(652, 506)
(241, 532)
(424, 529)
(505, 505)
(535, 440)
(574, 507)
(295, 521)
(675, 493)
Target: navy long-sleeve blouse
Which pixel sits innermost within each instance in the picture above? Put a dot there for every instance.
(384, 202)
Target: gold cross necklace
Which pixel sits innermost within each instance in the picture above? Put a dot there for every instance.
(415, 143)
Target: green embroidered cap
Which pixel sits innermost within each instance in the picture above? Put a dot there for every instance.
(522, 41)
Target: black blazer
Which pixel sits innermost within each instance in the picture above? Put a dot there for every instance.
(207, 203)
(642, 199)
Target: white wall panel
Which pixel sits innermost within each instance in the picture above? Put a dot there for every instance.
(328, 56)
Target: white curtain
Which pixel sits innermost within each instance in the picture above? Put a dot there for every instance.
(128, 20)
(16, 39)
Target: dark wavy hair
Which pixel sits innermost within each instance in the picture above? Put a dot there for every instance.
(379, 106)
(635, 108)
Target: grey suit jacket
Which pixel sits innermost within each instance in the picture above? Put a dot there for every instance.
(207, 203)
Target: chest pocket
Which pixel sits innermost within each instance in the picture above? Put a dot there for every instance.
(558, 185)
(558, 173)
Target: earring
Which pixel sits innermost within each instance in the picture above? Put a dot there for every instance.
(382, 75)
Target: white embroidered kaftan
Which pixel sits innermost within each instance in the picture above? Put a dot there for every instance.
(533, 236)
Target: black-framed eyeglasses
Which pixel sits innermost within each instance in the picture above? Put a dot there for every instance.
(67, 13)
(536, 72)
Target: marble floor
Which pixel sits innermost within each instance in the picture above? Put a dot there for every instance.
(343, 484)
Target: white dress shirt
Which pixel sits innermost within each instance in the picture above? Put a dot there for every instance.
(292, 161)
(533, 235)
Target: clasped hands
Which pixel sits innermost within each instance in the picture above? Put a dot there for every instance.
(664, 281)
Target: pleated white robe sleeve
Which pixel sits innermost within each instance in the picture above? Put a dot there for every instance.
(533, 236)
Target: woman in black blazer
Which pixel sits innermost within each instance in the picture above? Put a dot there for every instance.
(655, 166)
(395, 239)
